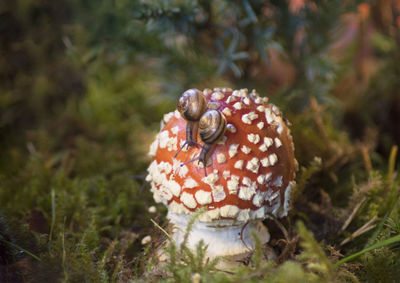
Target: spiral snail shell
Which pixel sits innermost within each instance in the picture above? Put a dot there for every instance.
(192, 105)
(212, 126)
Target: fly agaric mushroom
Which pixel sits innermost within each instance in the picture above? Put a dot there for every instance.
(251, 168)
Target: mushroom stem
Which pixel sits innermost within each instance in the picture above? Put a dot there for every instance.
(223, 238)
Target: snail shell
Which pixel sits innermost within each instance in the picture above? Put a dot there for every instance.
(212, 126)
(192, 105)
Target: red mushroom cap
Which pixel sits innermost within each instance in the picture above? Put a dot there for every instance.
(250, 171)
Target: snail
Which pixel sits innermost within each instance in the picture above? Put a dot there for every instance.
(192, 106)
(212, 127)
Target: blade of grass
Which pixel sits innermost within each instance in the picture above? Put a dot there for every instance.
(22, 249)
(159, 227)
(380, 225)
(392, 162)
(376, 246)
(383, 221)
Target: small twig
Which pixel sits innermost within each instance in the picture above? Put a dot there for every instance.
(290, 242)
(142, 176)
(288, 248)
(53, 213)
(142, 188)
(283, 229)
(241, 235)
(363, 229)
(353, 213)
(356, 234)
(20, 249)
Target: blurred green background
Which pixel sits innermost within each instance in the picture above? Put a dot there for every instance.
(84, 85)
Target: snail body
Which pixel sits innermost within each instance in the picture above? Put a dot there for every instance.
(192, 105)
(212, 126)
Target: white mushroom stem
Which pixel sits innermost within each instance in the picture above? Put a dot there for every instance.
(223, 238)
